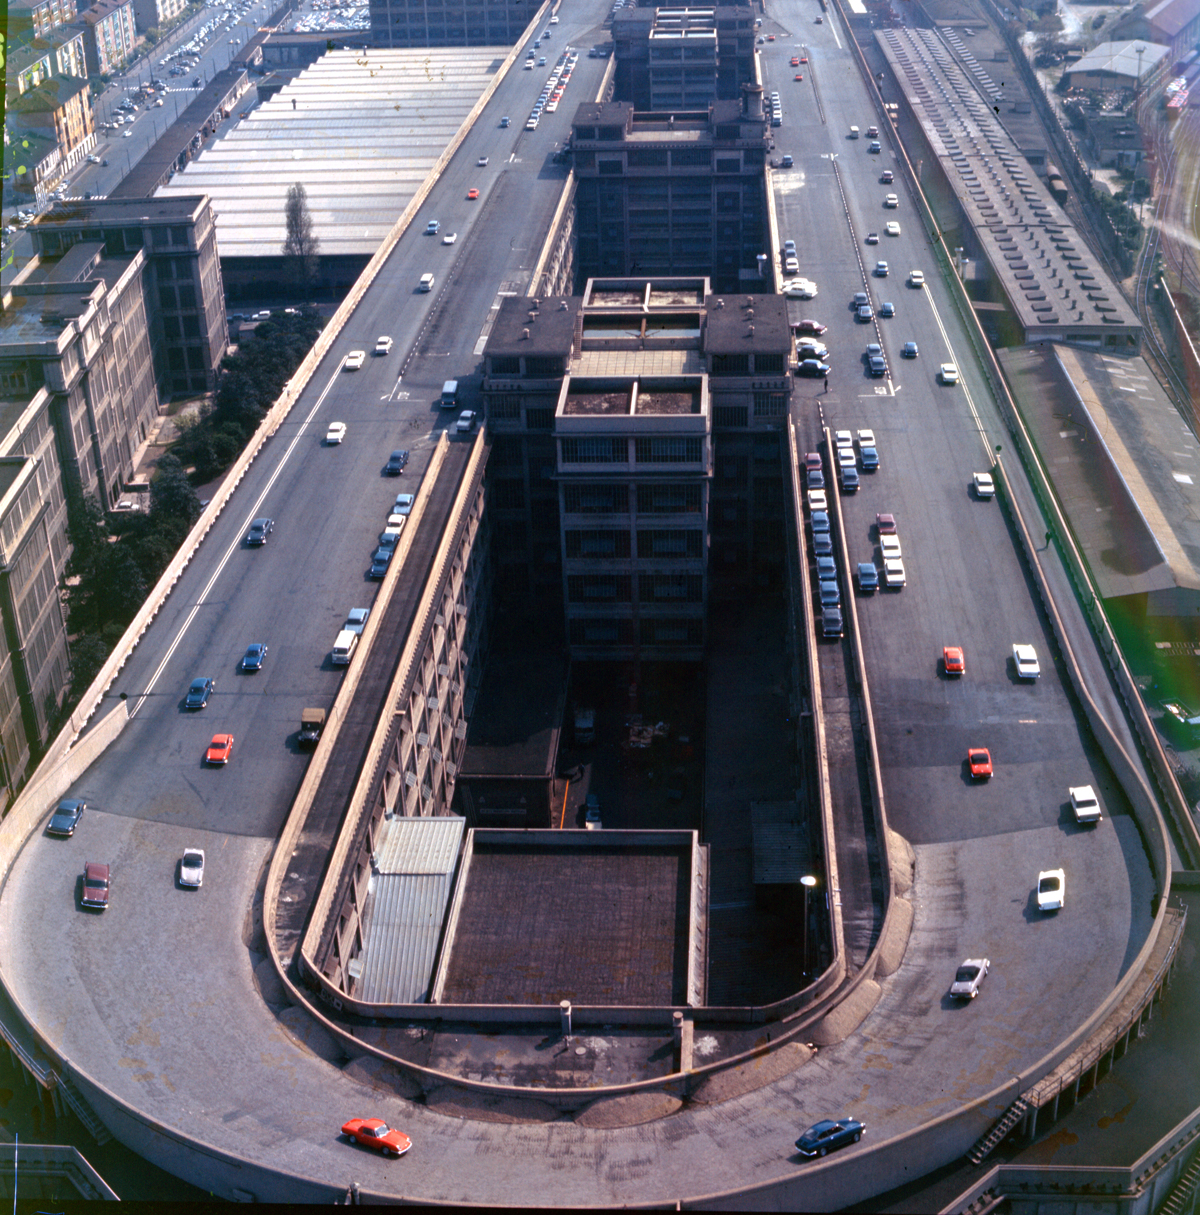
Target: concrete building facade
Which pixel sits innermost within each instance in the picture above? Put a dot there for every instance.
(184, 298)
(57, 109)
(59, 52)
(109, 35)
(404, 23)
(671, 193)
(682, 58)
(636, 432)
(40, 16)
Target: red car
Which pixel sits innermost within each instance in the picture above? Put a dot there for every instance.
(770, 37)
(375, 1133)
(97, 880)
(886, 524)
(980, 760)
(472, 193)
(953, 661)
(809, 326)
(795, 61)
(799, 76)
(219, 749)
(803, 58)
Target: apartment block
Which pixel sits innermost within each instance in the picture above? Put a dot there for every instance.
(665, 194)
(402, 23)
(636, 434)
(60, 110)
(38, 16)
(183, 294)
(682, 58)
(109, 35)
(34, 60)
(150, 14)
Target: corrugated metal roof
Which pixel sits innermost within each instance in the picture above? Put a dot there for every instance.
(411, 889)
(781, 851)
(360, 130)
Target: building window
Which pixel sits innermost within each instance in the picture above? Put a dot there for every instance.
(672, 632)
(675, 543)
(770, 404)
(594, 451)
(691, 158)
(657, 450)
(731, 415)
(539, 419)
(544, 366)
(504, 407)
(768, 364)
(599, 588)
(598, 544)
(505, 364)
(731, 364)
(666, 588)
(596, 499)
(669, 499)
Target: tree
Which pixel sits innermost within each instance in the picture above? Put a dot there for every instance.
(171, 494)
(301, 245)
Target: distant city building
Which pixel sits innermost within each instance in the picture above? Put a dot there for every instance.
(109, 33)
(682, 58)
(680, 193)
(1119, 65)
(635, 431)
(40, 16)
(150, 14)
(34, 60)
(1173, 23)
(404, 23)
(57, 109)
(182, 285)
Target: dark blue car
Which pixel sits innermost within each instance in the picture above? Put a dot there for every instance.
(198, 693)
(827, 1135)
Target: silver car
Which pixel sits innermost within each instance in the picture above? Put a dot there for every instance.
(968, 977)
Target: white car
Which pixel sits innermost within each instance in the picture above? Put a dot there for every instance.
(967, 979)
(466, 421)
(383, 345)
(892, 228)
(449, 238)
(846, 458)
(1051, 889)
(893, 573)
(948, 373)
(93, 159)
(985, 487)
(482, 162)
(354, 360)
(889, 546)
(891, 200)
(881, 269)
(800, 289)
(866, 438)
(191, 868)
(916, 278)
(843, 438)
(1025, 656)
(1085, 804)
(791, 265)
(336, 432)
(818, 499)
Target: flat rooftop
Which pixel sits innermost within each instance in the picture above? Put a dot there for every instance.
(602, 921)
(1055, 286)
(379, 118)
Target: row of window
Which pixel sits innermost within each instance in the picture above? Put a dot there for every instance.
(652, 588)
(682, 632)
(618, 499)
(655, 449)
(673, 544)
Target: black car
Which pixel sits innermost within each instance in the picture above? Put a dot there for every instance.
(812, 367)
(199, 690)
(260, 529)
(252, 660)
(396, 462)
(380, 560)
(827, 1135)
(66, 818)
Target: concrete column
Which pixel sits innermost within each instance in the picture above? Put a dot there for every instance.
(564, 1011)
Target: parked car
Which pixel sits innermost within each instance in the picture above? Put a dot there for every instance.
(356, 620)
(868, 577)
(466, 422)
(828, 1134)
(66, 817)
(591, 818)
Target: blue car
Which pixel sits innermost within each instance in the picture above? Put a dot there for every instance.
(198, 693)
(253, 659)
(827, 1135)
(66, 818)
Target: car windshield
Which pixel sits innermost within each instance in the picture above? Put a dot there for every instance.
(966, 974)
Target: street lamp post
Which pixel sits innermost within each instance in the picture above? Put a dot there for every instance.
(808, 882)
